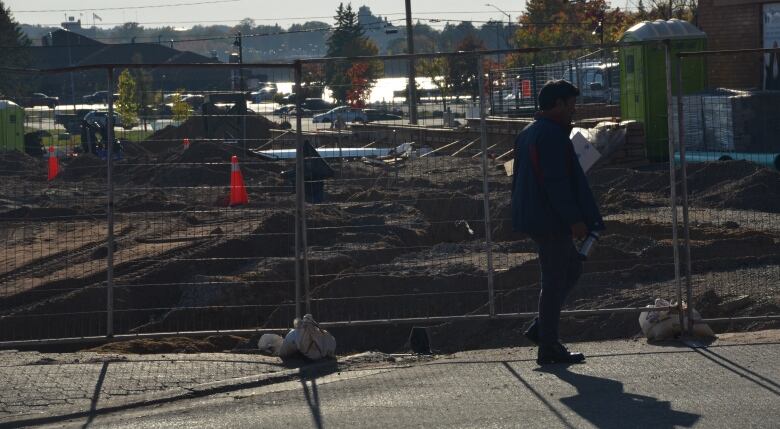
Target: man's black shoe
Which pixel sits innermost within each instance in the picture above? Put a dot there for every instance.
(532, 333)
(557, 353)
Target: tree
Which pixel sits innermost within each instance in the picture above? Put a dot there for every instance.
(143, 89)
(564, 23)
(12, 54)
(358, 93)
(127, 104)
(348, 40)
(463, 68)
(245, 26)
(312, 80)
(180, 109)
(438, 71)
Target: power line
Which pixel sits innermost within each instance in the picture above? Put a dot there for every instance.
(210, 38)
(126, 7)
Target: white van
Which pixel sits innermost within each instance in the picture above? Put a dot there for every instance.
(598, 82)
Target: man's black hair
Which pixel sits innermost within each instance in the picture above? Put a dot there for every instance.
(555, 90)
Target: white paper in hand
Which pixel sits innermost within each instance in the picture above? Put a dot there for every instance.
(586, 153)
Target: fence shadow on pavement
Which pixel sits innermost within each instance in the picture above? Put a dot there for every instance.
(96, 395)
(313, 400)
(604, 403)
(740, 370)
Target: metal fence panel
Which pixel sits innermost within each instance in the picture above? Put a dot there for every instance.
(54, 229)
(727, 134)
(395, 218)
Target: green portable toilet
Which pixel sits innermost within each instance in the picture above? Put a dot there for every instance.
(643, 75)
(11, 126)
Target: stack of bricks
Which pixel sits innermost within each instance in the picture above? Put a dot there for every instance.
(633, 152)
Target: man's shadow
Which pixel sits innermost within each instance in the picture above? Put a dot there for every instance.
(605, 404)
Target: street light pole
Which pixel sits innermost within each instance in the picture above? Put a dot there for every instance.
(412, 93)
(508, 21)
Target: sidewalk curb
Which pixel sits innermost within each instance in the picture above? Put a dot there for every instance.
(170, 395)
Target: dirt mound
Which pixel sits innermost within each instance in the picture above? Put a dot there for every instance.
(723, 184)
(630, 179)
(173, 345)
(151, 201)
(14, 162)
(219, 127)
(704, 176)
(758, 191)
(617, 200)
(38, 213)
(82, 167)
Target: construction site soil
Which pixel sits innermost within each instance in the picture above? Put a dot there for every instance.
(405, 239)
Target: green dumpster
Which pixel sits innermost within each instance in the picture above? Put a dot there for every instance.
(643, 75)
(11, 126)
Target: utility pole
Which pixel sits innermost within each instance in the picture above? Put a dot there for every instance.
(238, 43)
(410, 50)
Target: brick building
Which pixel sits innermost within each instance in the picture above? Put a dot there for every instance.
(735, 24)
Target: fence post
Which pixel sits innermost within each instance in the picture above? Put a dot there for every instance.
(485, 188)
(533, 86)
(301, 263)
(110, 207)
(672, 174)
(684, 190)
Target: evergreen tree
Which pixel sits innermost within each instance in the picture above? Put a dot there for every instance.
(12, 54)
(641, 11)
(348, 40)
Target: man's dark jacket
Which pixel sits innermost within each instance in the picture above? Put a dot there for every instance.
(549, 189)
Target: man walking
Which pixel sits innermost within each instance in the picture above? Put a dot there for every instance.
(552, 203)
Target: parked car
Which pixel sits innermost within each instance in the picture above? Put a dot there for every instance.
(289, 110)
(316, 105)
(194, 100)
(265, 92)
(38, 99)
(100, 118)
(284, 110)
(98, 97)
(346, 113)
(380, 115)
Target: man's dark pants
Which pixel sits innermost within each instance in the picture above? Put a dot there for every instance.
(561, 268)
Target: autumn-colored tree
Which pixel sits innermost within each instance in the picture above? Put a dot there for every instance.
(548, 23)
(360, 86)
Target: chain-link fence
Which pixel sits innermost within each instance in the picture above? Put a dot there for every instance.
(726, 133)
(196, 221)
(512, 91)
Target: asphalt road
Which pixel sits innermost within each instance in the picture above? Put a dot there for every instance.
(622, 385)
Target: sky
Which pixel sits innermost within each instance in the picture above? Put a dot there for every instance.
(186, 13)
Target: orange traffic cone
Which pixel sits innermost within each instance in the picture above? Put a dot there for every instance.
(186, 143)
(54, 164)
(238, 194)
